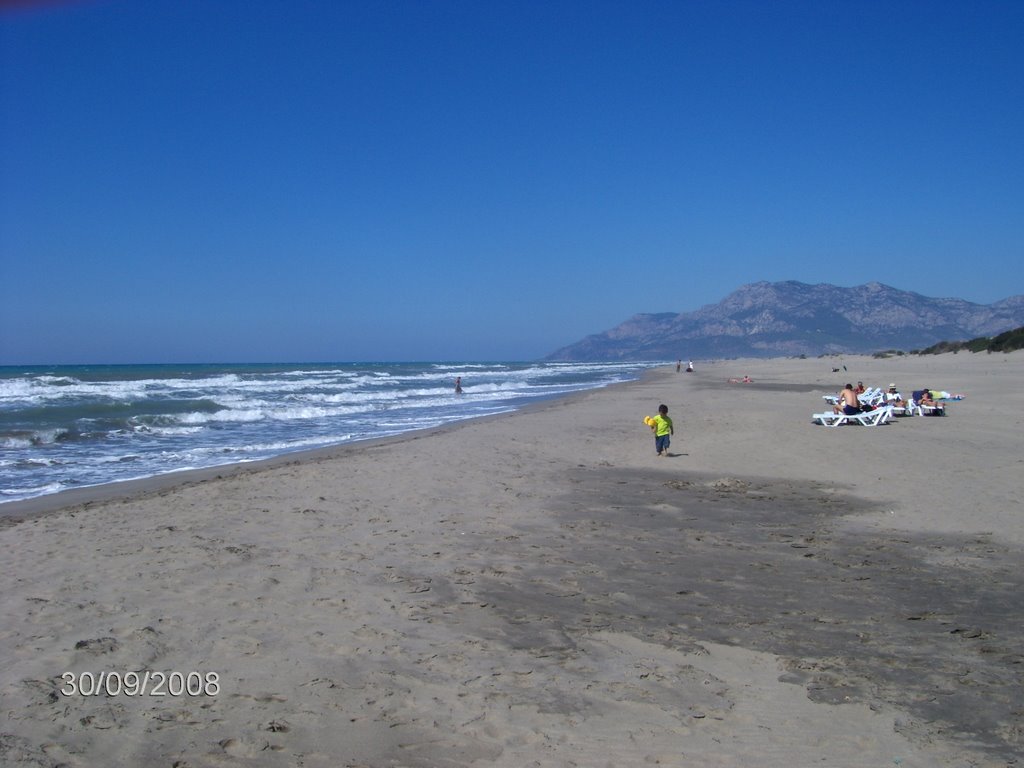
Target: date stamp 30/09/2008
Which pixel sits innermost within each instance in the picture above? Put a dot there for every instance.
(143, 683)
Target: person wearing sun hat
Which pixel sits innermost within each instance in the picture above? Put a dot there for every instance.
(893, 397)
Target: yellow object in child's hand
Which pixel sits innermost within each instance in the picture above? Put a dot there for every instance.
(648, 421)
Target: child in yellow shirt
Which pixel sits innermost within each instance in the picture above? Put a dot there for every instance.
(663, 430)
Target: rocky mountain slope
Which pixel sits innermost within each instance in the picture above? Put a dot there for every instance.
(792, 318)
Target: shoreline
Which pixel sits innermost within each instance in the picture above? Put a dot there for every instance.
(538, 587)
(125, 489)
(19, 509)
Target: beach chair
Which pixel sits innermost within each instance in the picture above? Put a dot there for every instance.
(873, 418)
(873, 396)
(914, 408)
(830, 419)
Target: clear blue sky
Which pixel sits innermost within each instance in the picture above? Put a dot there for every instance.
(196, 181)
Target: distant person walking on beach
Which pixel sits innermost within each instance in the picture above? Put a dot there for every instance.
(679, 365)
(458, 385)
(663, 430)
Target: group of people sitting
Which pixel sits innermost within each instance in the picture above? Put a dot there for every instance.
(850, 401)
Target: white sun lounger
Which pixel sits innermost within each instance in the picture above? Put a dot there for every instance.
(873, 418)
(914, 408)
(869, 419)
(830, 419)
(873, 396)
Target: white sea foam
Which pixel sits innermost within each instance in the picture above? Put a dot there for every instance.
(79, 427)
(174, 431)
(32, 491)
(16, 442)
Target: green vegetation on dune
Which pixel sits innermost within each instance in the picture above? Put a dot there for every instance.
(1007, 341)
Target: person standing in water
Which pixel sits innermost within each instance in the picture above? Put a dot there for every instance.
(458, 385)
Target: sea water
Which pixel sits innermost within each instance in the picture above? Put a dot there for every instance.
(75, 426)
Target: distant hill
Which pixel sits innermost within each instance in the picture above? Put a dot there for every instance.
(792, 318)
(1008, 341)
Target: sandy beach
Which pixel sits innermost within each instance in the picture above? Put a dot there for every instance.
(540, 589)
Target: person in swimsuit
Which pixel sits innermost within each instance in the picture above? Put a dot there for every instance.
(848, 402)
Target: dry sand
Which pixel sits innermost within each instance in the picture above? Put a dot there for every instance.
(540, 589)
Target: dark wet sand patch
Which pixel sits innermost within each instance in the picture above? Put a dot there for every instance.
(932, 625)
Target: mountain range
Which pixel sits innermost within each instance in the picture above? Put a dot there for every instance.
(791, 318)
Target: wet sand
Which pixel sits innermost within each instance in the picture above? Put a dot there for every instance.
(541, 589)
